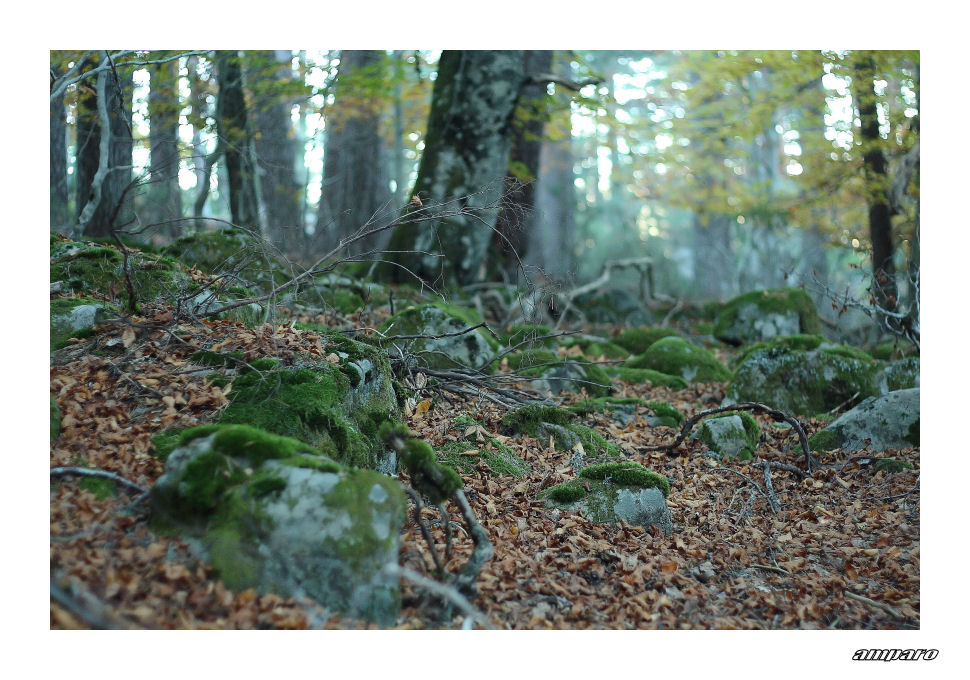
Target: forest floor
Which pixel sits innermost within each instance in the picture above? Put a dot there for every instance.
(842, 552)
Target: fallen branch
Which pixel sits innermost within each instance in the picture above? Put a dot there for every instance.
(810, 461)
(771, 502)
(441, 590)
(880, 605)
(93, 472)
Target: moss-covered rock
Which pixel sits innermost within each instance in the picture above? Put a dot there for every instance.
(595, 349)
(734, 434)
(889, 421)
(804, 382)
(645, 376)
(76, 318)
(528, 335)
(782, 342)
(613, 492)
(335, 408)
(475, 349)
(273, 514)
(763, 314)
(637, 340)
(476, 445)
(613, 305)
(664, 414)
(902, 374)
(676, 356)
(542, 422)
(550, 372)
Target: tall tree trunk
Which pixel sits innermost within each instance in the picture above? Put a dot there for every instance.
(277, 149)
(59, 216)
(164, 196)
(355, 187)
(102, 182)
(234, 132)
(464, 165)
(399, 170)
(884, 291)
(552, 240)
(517, 220)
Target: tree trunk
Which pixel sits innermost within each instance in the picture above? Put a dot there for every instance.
(517, 220)
(355, 192)
(164, 195)
(59, 217)
(884, 291)
(464, 165)
(231, 118)
(552, 240)
(99, 196)
(277, 149)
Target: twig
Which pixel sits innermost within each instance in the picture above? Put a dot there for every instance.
(133, 381)
(768, 567)
(92, 472)
(881, 605)
(775, 505)
(810, 461)
(482, 552)
(418, 505)
(441, 590)
(771, 503)
(85, 606)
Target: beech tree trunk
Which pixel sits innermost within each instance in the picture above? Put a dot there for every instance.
(884, 291)
(518, 220)
(233, 125)
(277, 149)
(102, 196)
(356, 188)
(59, 217)
(164, 204)
(465, 160)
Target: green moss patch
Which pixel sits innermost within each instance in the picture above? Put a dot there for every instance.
(646, 376)
(637, 340)
(627, 473)
(760, 314)
(676, 356)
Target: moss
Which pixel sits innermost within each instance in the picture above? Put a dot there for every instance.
(646, 376)
(266, 484)
(594, 349)
(62, 329)
(100, 487)
(824, 440)
(603, 404)
(437, 318)
(165, 442)
(752, 434)
(435, 481)
(848, 352)
(912, 435)
(893, 465)
(778, 301)
(667, 413)
(594, 444)
(314, 462)
(570, 492)
(207, 358)
(532, 357)
(782, 342)
(627, 473)
(676, 356)
(637, 340)
(527, 419)
(55, 419)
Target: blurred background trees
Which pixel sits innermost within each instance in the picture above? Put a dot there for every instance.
(733, 170)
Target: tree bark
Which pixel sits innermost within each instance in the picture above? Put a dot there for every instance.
(233, 125)
(874, 164)
(355, 184)
(164, 196)
(552, 240)
(59, 216)
(99, 195)
(517, 220)
(277, 148)
(464, 164)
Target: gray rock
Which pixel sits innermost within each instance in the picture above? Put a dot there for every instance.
(890, 421)
(728, 437)
(271, 514)
(763, 314)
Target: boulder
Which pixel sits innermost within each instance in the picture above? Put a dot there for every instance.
(76, 318)
(334, 407)
(763, 314)
(804, 382)
(613, 492)
(732, 435)
(675, 356)
(442, 349)
(273, 514)
(899, 375)
(552, 373)
(889, 421)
